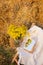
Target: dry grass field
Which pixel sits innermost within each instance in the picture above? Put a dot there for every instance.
(17, 12)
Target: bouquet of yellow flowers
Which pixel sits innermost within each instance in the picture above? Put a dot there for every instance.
(16, 32)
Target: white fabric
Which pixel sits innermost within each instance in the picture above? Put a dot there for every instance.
(36, 58)
(25, 57)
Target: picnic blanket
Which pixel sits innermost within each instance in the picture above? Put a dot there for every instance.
(35, 58)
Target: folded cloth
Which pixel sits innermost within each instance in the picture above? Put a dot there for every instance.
(35, 58)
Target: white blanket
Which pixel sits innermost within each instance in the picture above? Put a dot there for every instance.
(36, 58)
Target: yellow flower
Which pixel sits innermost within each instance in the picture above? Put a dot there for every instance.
(16, 32)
